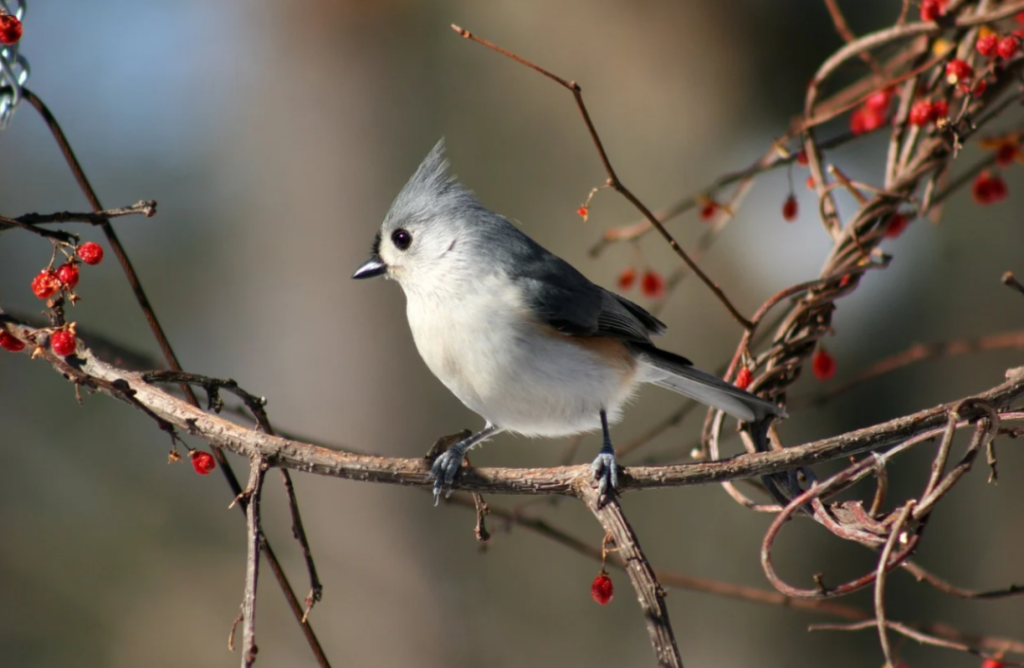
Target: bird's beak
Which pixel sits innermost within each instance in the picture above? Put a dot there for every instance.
(372, 267)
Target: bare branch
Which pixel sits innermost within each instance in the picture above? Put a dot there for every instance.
(254, 533)
(649, 592)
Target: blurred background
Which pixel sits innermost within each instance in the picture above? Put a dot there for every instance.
(274, 136)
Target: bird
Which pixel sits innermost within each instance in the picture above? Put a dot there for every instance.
(517, 334)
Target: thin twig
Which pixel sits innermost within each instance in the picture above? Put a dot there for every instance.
(896, 534)
(613, 179)
(1011, 281)
(145, 208)
(316, 589)
(254, 533)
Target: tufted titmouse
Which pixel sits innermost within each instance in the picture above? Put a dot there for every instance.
(516, 333)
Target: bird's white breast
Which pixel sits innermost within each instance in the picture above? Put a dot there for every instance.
(483, 343)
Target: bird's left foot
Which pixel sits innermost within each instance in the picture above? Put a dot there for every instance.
(606, 472)
(444, 469)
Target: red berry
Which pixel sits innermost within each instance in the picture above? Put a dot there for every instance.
(897, 223)
(958, 70)
(67, 274)
(10, 29)
(866, 119)
(979, 88)
(940, 109)
(986, 45)
(988, 188)
(1007, 47)
(801, 158)
(1019, 18)
(63, 343)
(708, 211)
(652, 284)
(8, 342)
(92, 253)
(879, 100)
(823, 365)
(202, 462)
(810, 183)
(932, 9)
(992, 663)
(790, 209)
(601, 590)
(583, 213)
(627, 278)
(922, 113)
(743, 378)
(45, 284)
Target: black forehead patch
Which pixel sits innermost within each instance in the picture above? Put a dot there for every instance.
(376, 245)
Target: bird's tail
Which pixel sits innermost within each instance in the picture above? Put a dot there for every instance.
(676, 373)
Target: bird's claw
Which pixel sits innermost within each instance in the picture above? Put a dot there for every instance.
(606, 473)
(443, 472)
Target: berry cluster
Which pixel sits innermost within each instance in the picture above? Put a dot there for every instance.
(50, 281)
(924, 112)
(991, 45)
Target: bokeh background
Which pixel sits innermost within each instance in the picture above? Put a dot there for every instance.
(274, 135)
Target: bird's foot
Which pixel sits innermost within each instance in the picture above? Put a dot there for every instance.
(444, 469)
(606, 472)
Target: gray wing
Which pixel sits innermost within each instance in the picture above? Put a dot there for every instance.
(565, 299)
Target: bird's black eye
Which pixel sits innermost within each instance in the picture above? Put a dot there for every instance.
(401, 238)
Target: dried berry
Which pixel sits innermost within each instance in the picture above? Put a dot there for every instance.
(45, 284)
(601, 590)
(91, 252)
